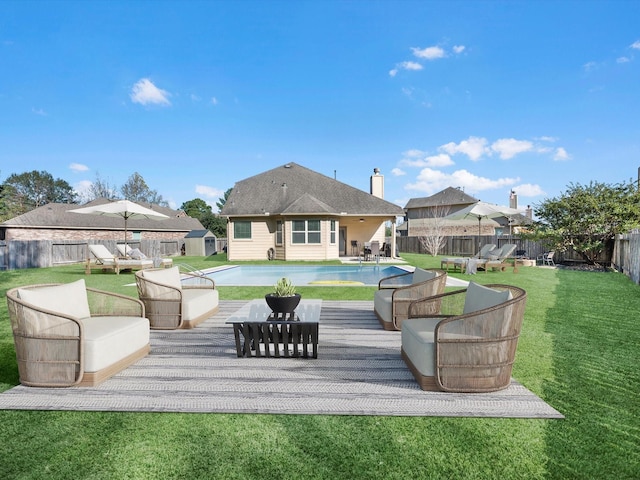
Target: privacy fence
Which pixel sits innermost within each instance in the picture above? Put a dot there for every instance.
(16, 254)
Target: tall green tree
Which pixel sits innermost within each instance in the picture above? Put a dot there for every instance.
(137, 190)
(223, 200)
(588, 217)
(196, 208)
(22, 192)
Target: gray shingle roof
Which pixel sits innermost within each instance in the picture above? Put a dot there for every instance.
(294, 189)
(57, 215)
(448, 196)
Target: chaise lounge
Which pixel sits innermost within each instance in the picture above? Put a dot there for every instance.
(105, 260)
(68, 334)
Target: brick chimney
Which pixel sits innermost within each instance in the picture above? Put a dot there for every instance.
(377, 183)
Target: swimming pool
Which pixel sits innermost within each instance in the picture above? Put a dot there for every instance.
(301, 275)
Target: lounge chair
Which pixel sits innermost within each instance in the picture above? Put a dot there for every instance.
(69, 334)
(133, 253)
(105, 260)
(174, 301)
(461, 262)
(391, 300)
(497, 258)
(470, 344)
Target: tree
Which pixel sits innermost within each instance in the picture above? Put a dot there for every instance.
(588, 217)
(137, 190)
(215, 224)
(25, 191)
(100, 188)
(432, 233)
(223, 200)
(196, 208)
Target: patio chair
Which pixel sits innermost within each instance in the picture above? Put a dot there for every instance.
(174, 301)
(133, 253)
(461, 262)
(375, 251)
(68, 334)
(395, 293)
(105, 260)
(546, 259)
(470, 345)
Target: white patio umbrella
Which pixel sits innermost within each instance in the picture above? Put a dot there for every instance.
(482, 210)
(122, 208)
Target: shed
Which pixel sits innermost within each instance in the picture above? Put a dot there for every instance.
(200, 243)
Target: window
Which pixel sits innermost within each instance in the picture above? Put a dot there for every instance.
(278, 232)
(241, 230)
(305, 231)
(136, 235)
(333, 232)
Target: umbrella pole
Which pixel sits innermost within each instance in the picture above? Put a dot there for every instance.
(479, 220)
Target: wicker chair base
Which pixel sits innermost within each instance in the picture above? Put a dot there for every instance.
(197, 321)
(426, 383)
(386, 325)
(92, 379)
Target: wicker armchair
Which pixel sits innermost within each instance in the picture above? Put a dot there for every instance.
(391, 300)
(67, 334)
(470, 345)
(174, 301)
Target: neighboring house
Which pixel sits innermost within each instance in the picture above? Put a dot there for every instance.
(293, 213)
(424, 214)
(54, 222)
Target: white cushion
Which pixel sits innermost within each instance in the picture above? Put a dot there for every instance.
(382, 304)
(197, 301)
(166, 276)
(479, 297)
(101, 252)
(418, 344)
(109, 339)
(68, 299)
(421, 275)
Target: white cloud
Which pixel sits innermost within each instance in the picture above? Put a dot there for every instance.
(145, 92)
(547, 139)
(473, 147)
(78, 167)
(440, 160)
(39, 111)
(397, 172)
(429, 53)
(589, 66)
(458, 49)
(528, 190)
(405, 66)
(210, 192)
(561, 154)
(623, 60)
(214, 101)
(432, 181)
(510, 147)
(194, 97)
(635, 45)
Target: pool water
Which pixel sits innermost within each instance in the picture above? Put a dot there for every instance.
(301, 275)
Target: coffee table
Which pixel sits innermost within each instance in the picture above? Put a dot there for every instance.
(258, 334)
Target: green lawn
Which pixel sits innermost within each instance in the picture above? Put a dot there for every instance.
(578, 351)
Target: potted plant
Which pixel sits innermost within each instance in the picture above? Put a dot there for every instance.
(284, 299)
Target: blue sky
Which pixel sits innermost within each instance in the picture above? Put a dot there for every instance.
(484, 95)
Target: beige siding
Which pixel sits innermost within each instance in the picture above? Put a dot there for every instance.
(255, 248)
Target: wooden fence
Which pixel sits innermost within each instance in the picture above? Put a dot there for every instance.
(626, 255)
(17, 254)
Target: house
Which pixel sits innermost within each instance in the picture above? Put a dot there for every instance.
(294, 213)
(54, 223)
(421, 214)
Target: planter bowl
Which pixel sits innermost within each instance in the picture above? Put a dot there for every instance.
(282, 305)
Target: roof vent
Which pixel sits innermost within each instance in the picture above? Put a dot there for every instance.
(288, 165)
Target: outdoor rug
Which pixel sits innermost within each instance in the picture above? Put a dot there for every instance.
(358, 372)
